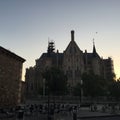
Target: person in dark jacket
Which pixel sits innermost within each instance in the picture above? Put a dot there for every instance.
(75, 113)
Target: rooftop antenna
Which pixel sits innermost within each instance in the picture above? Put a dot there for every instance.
(93, 41)
(48, 39)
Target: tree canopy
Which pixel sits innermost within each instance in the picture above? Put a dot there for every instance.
(94, 85)
(56, 81)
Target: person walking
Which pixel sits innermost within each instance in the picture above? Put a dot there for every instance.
(75, 113)
(20, 114)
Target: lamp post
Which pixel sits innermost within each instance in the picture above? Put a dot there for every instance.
(48, 116)
(81, 83)
(44, 87)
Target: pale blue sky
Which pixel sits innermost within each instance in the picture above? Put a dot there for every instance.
(26, 25)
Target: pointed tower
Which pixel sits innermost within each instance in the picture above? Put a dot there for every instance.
(73, 64)
(96, 61)
(94, 49)
(95, 54)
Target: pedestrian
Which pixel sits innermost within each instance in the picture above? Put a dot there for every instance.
(20, 114)
(31, 109)
(95, 107)
(75, 113)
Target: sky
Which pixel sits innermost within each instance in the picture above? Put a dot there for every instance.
(27, 25)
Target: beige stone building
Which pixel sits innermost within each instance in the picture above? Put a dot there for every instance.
(10, 78)
(73, 61)
(73, 64)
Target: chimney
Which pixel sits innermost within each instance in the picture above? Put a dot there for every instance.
(72, 35)
(85, 51)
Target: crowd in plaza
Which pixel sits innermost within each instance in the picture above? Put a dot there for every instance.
(49, 110)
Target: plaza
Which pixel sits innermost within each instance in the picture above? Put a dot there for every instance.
(63, 112)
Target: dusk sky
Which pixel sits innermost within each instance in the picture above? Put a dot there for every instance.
(26, 26)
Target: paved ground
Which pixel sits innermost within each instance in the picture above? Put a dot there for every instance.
(102, 118)
(87, 115)
(83, 113)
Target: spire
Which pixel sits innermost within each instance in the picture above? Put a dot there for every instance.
(72, 35)
(94, 49)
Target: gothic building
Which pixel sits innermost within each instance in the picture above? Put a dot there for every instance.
(73, 61)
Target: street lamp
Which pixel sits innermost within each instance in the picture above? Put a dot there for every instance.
(81, 83)
(44, 87)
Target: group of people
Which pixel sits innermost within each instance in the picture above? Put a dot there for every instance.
(52, 109)
(45, 109)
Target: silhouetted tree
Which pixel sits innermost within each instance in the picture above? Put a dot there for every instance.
(114, 90)
(77, 90)
(56, 81)
(94, 85)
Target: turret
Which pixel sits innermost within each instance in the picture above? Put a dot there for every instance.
(72, 35)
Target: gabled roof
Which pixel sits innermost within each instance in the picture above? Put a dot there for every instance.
(13, 55)
(72, 42)
(91, 55)
(52, 55)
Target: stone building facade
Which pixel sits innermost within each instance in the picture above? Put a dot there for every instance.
(73, 61)
(108, 68)
(10, 78)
